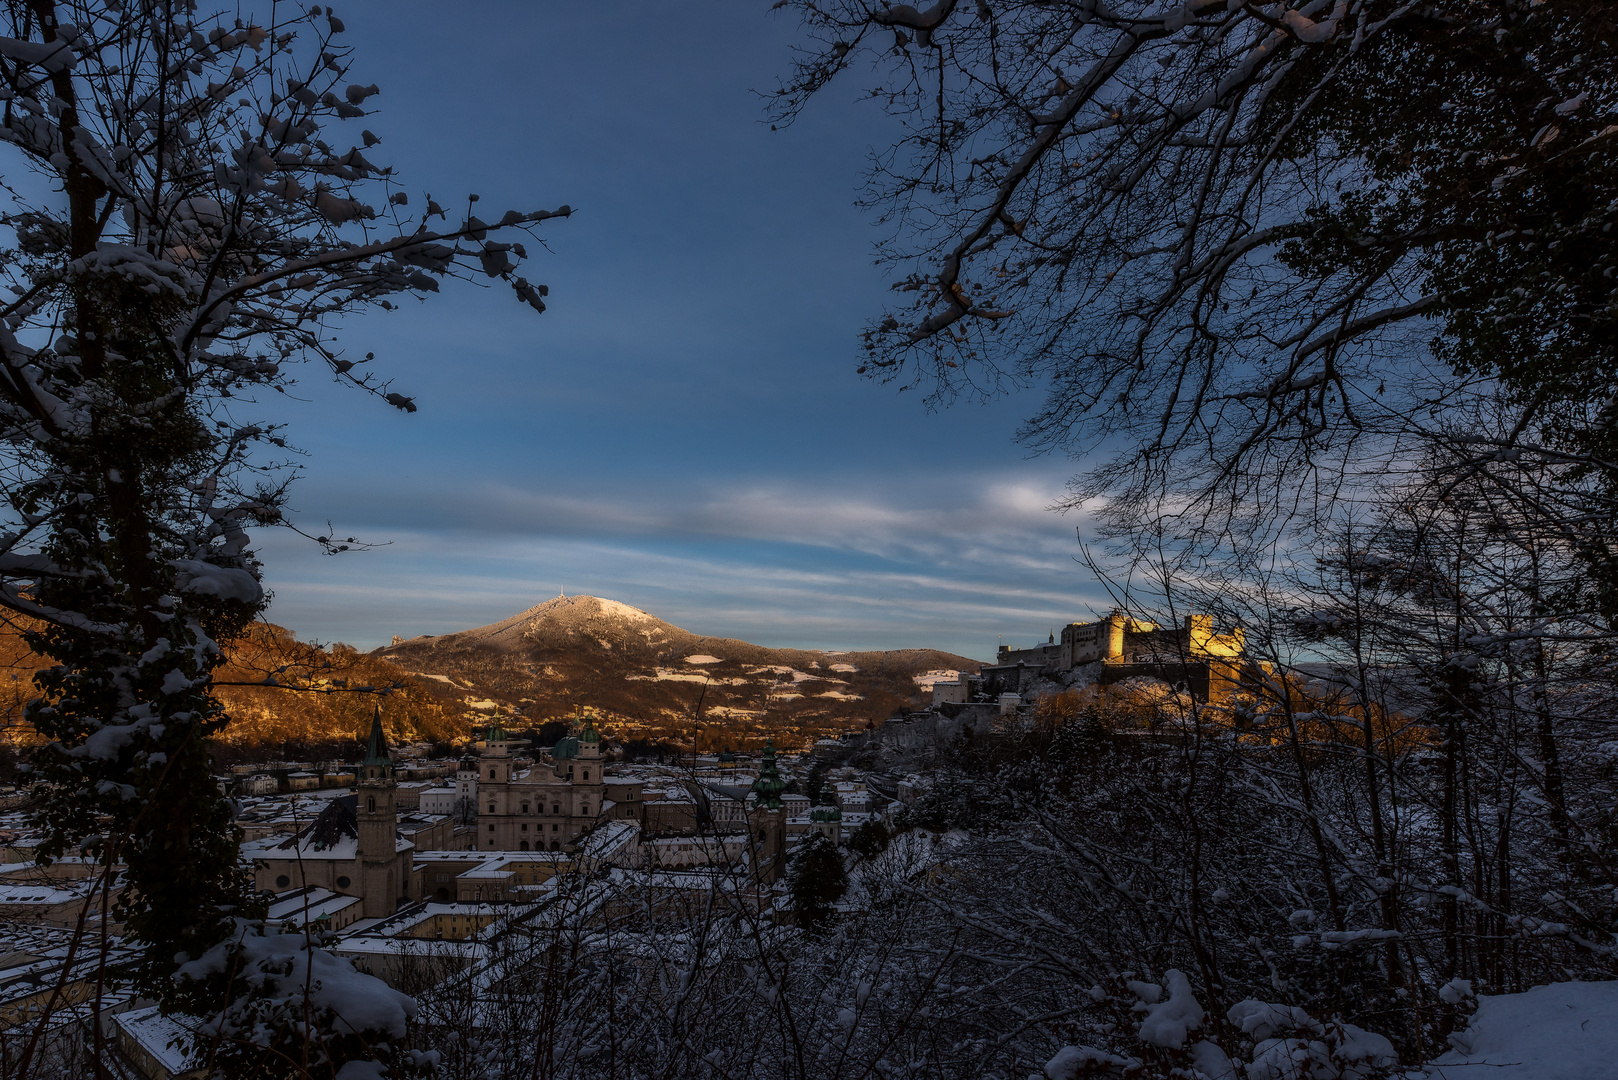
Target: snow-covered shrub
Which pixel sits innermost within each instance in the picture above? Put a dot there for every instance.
(294, 1009)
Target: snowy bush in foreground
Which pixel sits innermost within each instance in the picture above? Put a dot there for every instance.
(294, 1009)
(1173, 1033)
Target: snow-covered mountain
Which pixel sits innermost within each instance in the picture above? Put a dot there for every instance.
(585, 650)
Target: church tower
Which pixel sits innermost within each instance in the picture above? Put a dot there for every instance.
(827, 818)
(378, 827)
(589, 781)
(494, 789)
(589, 762)
(769, 820)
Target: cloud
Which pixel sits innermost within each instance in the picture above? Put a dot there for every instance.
(884, 563)
(925, 516)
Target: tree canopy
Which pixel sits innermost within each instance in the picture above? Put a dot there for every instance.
(1253, 253)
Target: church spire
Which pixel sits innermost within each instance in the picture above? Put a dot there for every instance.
(378, 764)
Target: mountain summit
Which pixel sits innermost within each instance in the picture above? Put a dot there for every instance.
(565, 613)
(585, 650)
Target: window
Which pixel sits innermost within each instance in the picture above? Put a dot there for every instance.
(282, 881)
(370, 804)
(525, 808)
(556, 809)
(491, 774)
(554, 828)
(525, 826)
(524, 845)
(585, 809)
(587, 774)
(342, 883)
(491, 829)
(491, 808)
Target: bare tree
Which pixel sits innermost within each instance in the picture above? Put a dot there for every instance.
(1223, 235)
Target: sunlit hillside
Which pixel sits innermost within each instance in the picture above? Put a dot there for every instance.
(320, 697)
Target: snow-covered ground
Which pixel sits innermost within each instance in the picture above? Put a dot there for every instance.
(796, 675)
(663, 674)
(1564, 1031)
(927, 678)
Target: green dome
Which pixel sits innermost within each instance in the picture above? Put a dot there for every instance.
(496, 733)
(769, 785)
(590, 734)
(566, 747)
(828, 810)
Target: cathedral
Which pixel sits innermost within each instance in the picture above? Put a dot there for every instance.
(548, 804)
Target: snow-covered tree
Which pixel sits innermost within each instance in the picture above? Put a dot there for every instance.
(192, 205)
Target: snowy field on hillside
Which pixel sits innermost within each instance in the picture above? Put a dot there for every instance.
(927, 678)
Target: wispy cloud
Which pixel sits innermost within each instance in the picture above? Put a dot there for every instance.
(788, 564)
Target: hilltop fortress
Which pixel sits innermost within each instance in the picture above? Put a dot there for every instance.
(1191, 656)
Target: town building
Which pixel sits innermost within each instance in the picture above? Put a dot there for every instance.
(258, 784)
(447, 799)
(546, 805)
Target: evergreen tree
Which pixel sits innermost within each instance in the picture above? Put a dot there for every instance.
(871, 838)
(816, 880)
(813, 781)
(204, 230)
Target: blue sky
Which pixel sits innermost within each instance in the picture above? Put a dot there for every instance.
(683, 430)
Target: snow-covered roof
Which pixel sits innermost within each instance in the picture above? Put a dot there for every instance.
(609, 839)
(332, 836)
(157, 1035)
(312, 903)
(37, 894)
